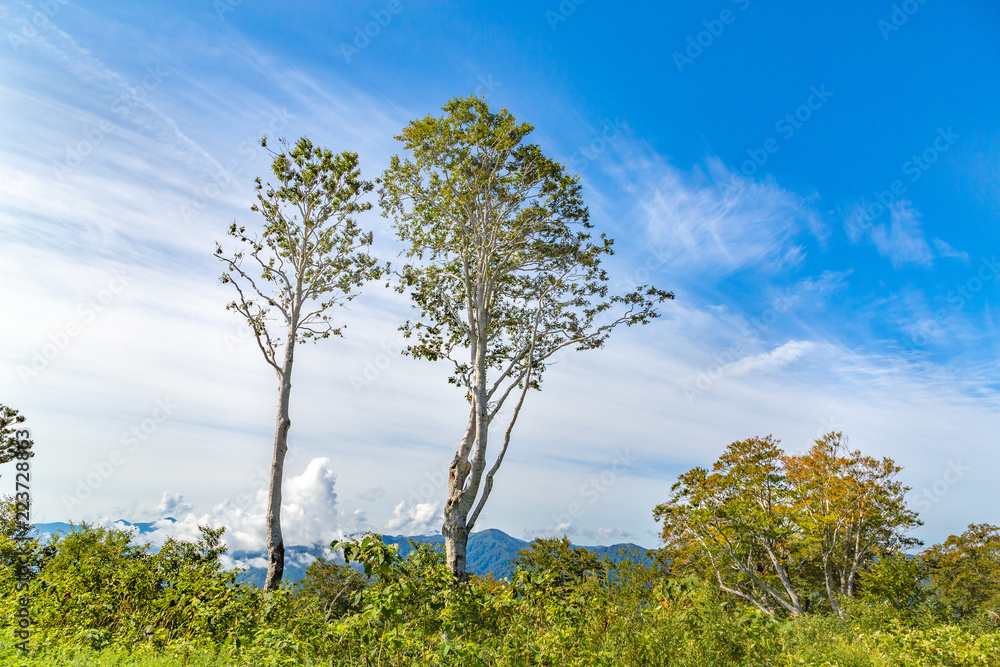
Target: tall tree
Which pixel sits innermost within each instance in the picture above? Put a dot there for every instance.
(311, 256)
(504, 273)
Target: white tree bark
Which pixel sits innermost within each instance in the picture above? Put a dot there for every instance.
(275, 542)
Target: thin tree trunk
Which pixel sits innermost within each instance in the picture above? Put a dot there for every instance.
(275, 542)
(796, 604)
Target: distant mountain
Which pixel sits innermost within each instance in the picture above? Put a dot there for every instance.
(493, 551)
(490, 551)
(59, 527)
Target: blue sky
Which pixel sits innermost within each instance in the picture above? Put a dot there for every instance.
(819, 185)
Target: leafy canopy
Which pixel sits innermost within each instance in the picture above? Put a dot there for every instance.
(787, 531)
(964, 572)
(503, 262)
(312, 253)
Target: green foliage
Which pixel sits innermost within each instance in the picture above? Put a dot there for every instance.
(502, 234)
(504, 273)
(102, 601)
(556, 559)
(328, 590)
(95, 588)
(787, 533)
(895, 580)
(964, 572)
(312, 253)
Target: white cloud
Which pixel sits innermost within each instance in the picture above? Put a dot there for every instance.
(770, 361)
(167, 334)
(173, 503)
(607, 535)
(418, 519)
(722, 222)
(903, 242)
(945, 250)
(309, 514)
(372, 494)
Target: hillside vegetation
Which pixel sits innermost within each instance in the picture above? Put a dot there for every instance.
(767, 559)
(97, 599)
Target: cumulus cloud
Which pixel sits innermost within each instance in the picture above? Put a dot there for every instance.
(309, 514)
(419, 519)
(173, 503)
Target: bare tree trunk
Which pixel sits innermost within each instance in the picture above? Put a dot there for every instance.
(466, 470)
(455, 533)
(275, 542)
(456, 540)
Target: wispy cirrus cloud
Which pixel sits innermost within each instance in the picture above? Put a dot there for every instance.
(902, 240)
(722, 222)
